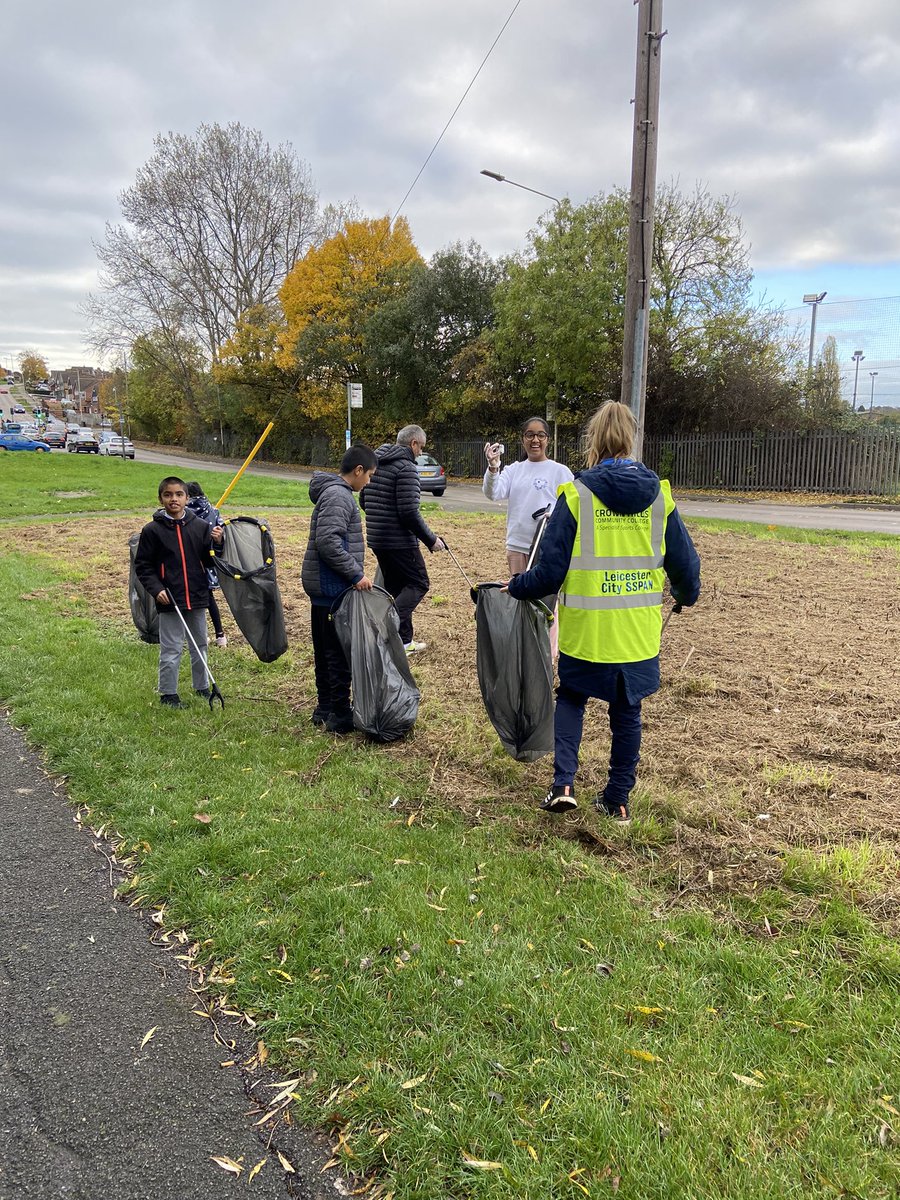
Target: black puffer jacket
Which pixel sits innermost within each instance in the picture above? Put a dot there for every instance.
(334, 556)
(174, 555)
(391, 502)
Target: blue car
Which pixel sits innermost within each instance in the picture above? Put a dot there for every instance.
(15, 441)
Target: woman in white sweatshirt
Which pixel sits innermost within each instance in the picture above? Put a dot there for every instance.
(527, 487)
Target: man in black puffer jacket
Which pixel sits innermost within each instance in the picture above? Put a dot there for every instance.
(394, 526)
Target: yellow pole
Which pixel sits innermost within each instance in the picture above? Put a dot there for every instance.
(247, 461)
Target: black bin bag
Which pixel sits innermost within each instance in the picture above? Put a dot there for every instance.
(515, 674)
(143, 607)
(385, 696)
(245, 564)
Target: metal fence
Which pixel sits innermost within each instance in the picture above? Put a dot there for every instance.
(865, 463)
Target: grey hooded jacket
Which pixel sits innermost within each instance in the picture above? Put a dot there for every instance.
(336, 550)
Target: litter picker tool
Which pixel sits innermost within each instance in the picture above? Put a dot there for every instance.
(459, 564)
(676, 608)
(214, 693)
(542, 516)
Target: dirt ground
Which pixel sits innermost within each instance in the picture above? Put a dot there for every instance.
(777, 725)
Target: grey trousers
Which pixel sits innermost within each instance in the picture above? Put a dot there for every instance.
(171, 646)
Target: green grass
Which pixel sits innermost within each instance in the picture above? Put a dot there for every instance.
(60, 483)
(848, 539)
(442, 993)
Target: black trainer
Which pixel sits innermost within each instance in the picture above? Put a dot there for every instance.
(560, 799)
(203, 693)
(172, 700)
(320, 717)
(339, 723)
(616, 811)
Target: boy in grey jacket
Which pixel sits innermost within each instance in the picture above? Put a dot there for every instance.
(334, 562)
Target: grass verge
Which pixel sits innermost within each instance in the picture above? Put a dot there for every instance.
(478, 1019)
(58, 484)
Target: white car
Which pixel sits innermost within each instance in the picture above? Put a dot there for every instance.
(120, 447)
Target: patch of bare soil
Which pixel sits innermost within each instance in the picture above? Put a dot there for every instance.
(777, 725)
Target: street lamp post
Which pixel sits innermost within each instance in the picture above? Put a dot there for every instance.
(523, 186)
(815, 299)
(872, 375)
(858, 356)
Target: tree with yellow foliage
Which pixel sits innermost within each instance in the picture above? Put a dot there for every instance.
(329, 299)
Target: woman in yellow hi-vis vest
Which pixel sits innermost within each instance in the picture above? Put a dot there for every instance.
(614, 536)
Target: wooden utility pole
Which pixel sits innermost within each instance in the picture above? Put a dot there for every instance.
(640, 227)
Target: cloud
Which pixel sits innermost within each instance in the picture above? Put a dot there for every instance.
(792, 108)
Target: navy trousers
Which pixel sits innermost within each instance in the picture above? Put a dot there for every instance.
(625, 748)
(331, 667)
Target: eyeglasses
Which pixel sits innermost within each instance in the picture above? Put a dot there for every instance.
(530, 434)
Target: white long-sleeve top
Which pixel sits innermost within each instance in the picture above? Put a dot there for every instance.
(526, 487)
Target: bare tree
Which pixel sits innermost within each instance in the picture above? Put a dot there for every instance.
(214, 222)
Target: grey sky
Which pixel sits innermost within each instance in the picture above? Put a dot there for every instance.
(792, 106)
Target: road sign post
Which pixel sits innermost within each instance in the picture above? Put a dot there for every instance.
(354, 400)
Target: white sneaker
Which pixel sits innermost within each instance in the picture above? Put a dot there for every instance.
(221, 641)
(414, 647)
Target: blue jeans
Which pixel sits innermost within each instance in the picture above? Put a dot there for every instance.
(625, 747)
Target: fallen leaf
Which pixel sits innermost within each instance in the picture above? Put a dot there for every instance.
(882, 1103)
(481, 1164)
(411, 1083)
(642, 1008)
(203, 818)
(227, 1164)
(643, 1055)
(148, 1035)
(287, 1088)
(285, 1163)
(256, 1170)
(746, 1080)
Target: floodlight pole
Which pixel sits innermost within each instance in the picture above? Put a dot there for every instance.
(640, 226)
(858, 356)
(872, 375)
(815, 299)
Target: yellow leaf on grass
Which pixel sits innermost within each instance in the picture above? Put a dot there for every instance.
(411, 1083)
(746, 1080)
(148, 1035)
(642, 1008)
(227, 1164)
(286, 1163)
(256, 1170)
(481, 1164)
(531, 1150)
(546, 1104)
(436, 907)
(643, 1055)
(882, 1103)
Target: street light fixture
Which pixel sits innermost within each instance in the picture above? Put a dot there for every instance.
(872, 375)
(858, 356)
(523, 186)
(815, 299)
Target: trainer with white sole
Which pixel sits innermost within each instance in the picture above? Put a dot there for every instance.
(614, 537)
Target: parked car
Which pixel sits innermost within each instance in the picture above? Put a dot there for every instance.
(432, 476)
(82, 442)
(13, 427)
(17, 441)
(54, 439)
(114, 445)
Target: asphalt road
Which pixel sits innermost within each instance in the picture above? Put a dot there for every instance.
(463, 497)
(86, 1111)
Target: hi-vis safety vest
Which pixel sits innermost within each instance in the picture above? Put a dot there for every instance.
(611, 600)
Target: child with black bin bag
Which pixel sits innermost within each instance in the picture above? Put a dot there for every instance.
(333, 563)
(171, 561)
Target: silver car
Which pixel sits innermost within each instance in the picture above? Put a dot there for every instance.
(432, 476)
(120, 447)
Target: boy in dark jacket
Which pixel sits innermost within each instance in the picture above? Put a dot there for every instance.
(334, 562)
(394, 526)
(171, 562)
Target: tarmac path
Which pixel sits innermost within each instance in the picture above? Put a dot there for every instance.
(467, 497)
(86, 1112)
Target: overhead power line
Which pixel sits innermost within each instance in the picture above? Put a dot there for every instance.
(455, 111)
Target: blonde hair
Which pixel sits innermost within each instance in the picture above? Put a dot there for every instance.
(609, 433)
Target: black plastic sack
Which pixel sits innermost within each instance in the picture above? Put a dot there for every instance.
(515, 674)
(143, 607)
(245, 564)
(385, 696)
